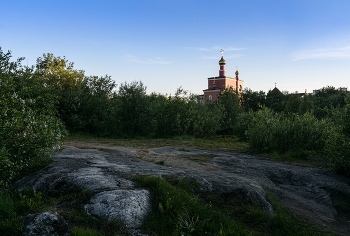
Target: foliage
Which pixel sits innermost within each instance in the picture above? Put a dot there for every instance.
(251, 100)
(82, 101)
(330, 97)
(293, 103)
(133, 113)
(338, 145)
(244, 120)
(175, 212)
(35, 101)
(338, 152)
(276, 100)
(9, 224)
(270, 131)
(86, 232)
(306, 105)
(14, 205)
(229, 102)
(28, 129)
(180, 207)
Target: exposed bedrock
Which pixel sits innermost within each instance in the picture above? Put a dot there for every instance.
(307, 191)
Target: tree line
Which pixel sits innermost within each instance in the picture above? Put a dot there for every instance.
(39, 103)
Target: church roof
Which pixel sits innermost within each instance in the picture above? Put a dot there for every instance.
(274, 92)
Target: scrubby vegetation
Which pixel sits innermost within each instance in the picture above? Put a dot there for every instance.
(69, 203)
(40, 103)
(181, 208)
(29, 127)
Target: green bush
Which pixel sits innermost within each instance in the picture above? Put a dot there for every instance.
(337, 151)
(134, 113)
(269, 132)
(244, 119)
(27, 130)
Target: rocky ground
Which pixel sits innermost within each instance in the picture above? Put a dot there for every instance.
(310, 192)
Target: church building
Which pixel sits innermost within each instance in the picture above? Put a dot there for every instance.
(221, 82)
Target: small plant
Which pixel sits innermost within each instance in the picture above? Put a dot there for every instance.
(188, 225)
(182, 149)
(200, 157)
(29, 201)
(160, 162)
(12, 206)
(86, 232)
(105, 150)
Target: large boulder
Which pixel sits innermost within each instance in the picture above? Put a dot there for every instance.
(129, 206)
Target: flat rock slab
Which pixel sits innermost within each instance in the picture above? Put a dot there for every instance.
(102, 169)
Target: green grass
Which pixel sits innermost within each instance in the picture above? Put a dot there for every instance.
(175, 212)
(182, 149)
(200, 157)
(86, 232)
(297, 159)
(220, 143)
(181, 208)
(12, 206)
(70, 204)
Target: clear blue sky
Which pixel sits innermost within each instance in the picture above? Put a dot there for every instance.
(299, 44)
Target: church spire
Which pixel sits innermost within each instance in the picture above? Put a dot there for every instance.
(222, 63)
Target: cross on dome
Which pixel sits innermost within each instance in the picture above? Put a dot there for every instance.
(222, 52)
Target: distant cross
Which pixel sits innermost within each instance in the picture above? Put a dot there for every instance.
(275, 84)
(236, 68)
(222, 52)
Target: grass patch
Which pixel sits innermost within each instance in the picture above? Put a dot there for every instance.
(182, 149)
(181, 208)
(70, 204)
(200, 157)
(299, 159)
(105, 150)
(86, 232)
(160, 162)
(220, 143)
(175, 212)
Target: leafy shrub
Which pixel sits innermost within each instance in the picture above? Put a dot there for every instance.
(271, 131)
(27, 130)
(133, 113)
(338, 152)
(244, 119)
(229, 109)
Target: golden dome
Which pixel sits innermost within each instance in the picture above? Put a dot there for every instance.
(222, 62)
